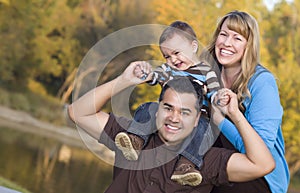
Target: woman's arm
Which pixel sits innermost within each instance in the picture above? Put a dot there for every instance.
(258, 160)
(264, 113)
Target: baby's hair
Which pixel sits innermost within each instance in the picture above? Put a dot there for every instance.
(180, 28)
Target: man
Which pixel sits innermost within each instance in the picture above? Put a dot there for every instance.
(177, 115)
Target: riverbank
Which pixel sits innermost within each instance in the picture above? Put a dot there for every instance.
(7, 186)
(23, 121)
(68, 135)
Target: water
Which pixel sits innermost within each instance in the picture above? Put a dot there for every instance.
(44, 165)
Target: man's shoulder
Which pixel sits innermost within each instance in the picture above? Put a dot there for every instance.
(113, 126)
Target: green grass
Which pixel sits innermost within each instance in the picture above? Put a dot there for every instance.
(8, 184)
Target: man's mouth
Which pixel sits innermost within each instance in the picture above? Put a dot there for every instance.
(171, 128)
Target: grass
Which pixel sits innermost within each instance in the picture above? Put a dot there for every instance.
(11, 185)
(42, 107)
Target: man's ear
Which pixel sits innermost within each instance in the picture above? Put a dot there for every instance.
(197, 119)
(195, 46)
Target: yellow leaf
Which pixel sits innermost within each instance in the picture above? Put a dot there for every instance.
(7, 2)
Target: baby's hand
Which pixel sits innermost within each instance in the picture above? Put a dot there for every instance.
(221, 98)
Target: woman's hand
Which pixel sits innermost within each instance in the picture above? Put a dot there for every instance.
(217, 115)
(232, 108)
(221, 99)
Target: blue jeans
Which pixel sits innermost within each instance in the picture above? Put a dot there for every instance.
(144, 124)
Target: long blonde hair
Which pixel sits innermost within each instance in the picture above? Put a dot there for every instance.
(246, 25)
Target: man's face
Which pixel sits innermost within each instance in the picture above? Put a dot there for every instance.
(176, 116)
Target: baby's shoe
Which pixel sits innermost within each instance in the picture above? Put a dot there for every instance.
(129, 144)
(185, 173)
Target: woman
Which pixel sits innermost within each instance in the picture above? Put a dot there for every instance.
(235, 48)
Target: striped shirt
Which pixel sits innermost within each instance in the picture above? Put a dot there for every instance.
(202, 72)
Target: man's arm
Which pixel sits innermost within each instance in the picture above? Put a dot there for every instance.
(258, 160)
(86, 111)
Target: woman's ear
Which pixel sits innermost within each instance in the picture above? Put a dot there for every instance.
(195, 46)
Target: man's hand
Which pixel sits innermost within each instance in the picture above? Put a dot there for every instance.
(142, 70)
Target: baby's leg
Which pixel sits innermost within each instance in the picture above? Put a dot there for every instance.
(132, 141)
(191, 159)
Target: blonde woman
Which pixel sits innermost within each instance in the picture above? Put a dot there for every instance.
(235, 47)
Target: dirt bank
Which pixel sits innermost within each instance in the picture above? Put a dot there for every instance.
(71, 136)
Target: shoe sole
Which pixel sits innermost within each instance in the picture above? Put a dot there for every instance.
(192, 179)
(124, 144)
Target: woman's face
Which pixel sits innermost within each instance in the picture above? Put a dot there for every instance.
(230, 47)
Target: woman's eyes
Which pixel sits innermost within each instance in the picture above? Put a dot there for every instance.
(235, 37)
(223, 34)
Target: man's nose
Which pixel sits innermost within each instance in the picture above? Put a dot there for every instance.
(175, 116)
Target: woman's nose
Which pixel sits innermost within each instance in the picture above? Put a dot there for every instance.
(227, 41)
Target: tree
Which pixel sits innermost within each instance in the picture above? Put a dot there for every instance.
(16, 48)
(56, 50)
(282, 42)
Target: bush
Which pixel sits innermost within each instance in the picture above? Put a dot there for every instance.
(19, 101)
(4, 97)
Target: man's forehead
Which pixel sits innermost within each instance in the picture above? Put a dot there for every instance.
(180, 100)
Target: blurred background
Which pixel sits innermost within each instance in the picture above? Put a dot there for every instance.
(42, 43)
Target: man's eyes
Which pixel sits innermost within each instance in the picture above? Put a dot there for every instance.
(184, 113)
(168, 108)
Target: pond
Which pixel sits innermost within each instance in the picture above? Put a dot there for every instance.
(46, 165)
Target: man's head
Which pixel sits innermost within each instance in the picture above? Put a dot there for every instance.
(179, 109)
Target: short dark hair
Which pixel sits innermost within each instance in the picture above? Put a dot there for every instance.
(180, 28)
(182, 84)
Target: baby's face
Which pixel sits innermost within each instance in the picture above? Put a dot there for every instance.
(178, 52)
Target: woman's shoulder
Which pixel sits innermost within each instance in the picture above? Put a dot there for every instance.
(261, 80)
(261, 74)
